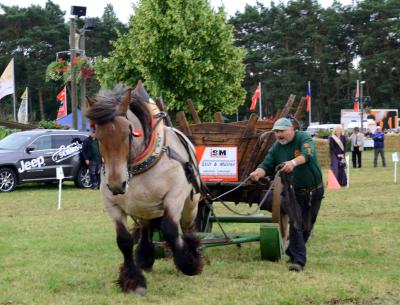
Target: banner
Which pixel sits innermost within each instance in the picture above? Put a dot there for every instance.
(7, 80)
(62, 98)
(217, 163)
(23, 108)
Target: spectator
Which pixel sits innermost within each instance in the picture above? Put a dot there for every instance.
(379, 146)
(337, 148)
(357, 147)
(91, 156)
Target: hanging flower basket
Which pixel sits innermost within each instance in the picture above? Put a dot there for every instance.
(60, 69)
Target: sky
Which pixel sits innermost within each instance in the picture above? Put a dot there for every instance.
(123, 8)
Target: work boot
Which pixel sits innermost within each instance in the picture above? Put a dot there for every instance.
(295, 267)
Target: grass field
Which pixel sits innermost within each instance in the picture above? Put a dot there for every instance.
(70, 256)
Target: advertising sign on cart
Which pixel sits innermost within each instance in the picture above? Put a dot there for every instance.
(218, 163)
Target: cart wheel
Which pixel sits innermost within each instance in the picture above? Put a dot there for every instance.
(271, 245)
(277, 216)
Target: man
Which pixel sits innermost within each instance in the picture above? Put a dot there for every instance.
(91, 156)
(379, 146)
(295, 150)
(357, 146)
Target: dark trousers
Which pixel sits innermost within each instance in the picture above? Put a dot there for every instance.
(379, 151)
(94, 173)
(356, 156)
(309, 202)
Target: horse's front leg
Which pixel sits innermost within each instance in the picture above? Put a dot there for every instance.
(145, 251)
(185, 250)
(131, 279)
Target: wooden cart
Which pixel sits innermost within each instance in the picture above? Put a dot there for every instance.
(252, 138)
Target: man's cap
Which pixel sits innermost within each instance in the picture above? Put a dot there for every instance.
(282, 124)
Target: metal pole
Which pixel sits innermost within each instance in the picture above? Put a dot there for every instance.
(361, 106)
(309, 113)
(74, 94)
(14, 98)
(83, 83)
(259, 86)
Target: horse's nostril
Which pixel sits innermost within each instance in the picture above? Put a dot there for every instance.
(124, 185)
(117, 190)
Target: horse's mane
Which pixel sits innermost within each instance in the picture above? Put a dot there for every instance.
(106, 108)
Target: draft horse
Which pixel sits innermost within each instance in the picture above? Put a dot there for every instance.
(147, 175)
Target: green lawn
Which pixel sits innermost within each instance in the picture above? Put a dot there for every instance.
(69, 256)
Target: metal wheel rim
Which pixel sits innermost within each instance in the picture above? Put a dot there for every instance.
(85, 178)
(6, 181)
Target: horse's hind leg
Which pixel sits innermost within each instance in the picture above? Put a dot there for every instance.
(187, 257)
(145, 252)
(131, 279)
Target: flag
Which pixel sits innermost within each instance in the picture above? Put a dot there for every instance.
(23, 108)
(357, 98)
(308, 97)
(255, 97)
(7, 80)
(62, 98)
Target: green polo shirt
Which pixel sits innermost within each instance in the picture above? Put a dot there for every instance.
(305, 175)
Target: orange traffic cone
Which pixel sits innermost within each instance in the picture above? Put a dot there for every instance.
(333, 184)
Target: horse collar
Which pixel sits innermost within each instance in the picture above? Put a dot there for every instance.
(152, 153)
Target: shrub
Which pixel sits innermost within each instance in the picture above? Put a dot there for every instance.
(4, 131)
(52, 125)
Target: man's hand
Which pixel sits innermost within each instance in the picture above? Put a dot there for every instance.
(87, 162)
(257, 174)
(288, 167)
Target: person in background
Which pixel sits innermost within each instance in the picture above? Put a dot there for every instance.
(337, 149)
(91, 156)
(379, 146)
(295, 151)
(357, 146)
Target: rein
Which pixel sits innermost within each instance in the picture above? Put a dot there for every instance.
(259, 206)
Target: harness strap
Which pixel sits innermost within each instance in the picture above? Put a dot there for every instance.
(187, 166)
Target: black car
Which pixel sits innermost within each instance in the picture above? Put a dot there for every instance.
(34, 155)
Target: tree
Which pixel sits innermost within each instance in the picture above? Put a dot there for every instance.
(378, 42)
(32, 36)
(289, 45)
(182, 49)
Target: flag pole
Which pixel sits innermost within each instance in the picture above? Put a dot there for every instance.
(27, 103)
(260, 106)
(14, 99)
(309, 113)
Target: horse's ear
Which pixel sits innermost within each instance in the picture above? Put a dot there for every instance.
(90, 101)
(126, 101)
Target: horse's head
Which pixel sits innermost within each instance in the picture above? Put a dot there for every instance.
(114, 125)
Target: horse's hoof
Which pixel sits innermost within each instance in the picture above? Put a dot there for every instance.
(140, 291)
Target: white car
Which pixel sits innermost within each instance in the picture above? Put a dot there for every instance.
(313, 129)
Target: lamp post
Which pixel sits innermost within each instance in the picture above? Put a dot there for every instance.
(76, 11)
(74, 94)
(361, 105)
(89, 25)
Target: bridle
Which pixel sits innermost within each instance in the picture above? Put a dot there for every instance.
(152, 153)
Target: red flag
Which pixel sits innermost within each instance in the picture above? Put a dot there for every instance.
(357, 99)
(308, 98)
(62, 98)
(255, 97)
